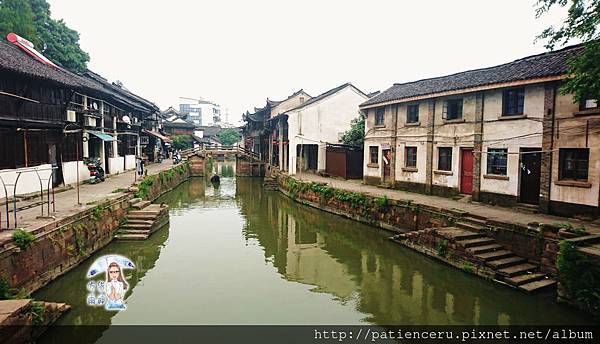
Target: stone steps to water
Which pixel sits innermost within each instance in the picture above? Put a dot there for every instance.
(144, 212)
(136, 226)
(136, 221)
(480, 220)
(484, 249)
(507, 266)
(134, 201)
(515, 270)
(525, 278)
(476, 242)
(538, 285)
(140, 205)
(455, 233)
(125, 237)
(471, 226)
(493, 255)
(142, 222)
(132, 216)
(270, 183)
(134, 231)
(506, 262)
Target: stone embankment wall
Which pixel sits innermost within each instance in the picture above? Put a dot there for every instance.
(59, 246)
(246, 167)
(393, 215)
(579, 273)
(26, 320)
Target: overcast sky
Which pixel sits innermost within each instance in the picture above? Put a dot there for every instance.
(238, 53)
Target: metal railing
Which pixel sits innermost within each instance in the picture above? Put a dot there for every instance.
(41, 202)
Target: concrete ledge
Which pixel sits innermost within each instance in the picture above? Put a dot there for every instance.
(573, 183)
(511, 117)
(496, 176)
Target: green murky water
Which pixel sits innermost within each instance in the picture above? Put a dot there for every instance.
(237, 254)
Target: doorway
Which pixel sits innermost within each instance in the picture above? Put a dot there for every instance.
(387, 163)
(307, 157)
(466, 170)
(530, 170)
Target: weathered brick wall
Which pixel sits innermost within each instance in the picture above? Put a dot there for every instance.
(243, 167)
(538, 246)
(57, 250)
(197, 165)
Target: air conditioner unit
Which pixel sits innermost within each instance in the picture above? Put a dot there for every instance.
(71, 116)
(90, 121)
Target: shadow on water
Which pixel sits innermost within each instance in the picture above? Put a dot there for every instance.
(240, 255)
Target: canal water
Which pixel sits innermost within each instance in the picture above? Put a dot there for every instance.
(236, 254)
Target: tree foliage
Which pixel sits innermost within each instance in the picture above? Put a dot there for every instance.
(229, 136)
(583, 23)
(17, 16)
(355, 136)
(182, 142)
(31, 20)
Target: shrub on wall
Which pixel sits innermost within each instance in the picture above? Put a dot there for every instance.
(579, 276)
(23, 239)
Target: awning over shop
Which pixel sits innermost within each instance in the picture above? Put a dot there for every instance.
(158, 135)
(103, 136)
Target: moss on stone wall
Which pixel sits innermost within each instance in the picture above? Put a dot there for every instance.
(579, 276)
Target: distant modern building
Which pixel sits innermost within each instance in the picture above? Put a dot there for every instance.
(200, 112)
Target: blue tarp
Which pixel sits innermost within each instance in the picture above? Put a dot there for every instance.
(103, 136)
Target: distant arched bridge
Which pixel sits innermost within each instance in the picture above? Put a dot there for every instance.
(248, 163)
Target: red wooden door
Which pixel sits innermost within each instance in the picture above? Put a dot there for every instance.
(466, 173)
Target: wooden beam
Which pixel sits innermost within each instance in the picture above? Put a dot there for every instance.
(19, 97)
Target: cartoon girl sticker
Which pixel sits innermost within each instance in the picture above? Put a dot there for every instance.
(115, 287)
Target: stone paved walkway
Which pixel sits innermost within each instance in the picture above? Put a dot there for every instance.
(495, 213)
(66, 201)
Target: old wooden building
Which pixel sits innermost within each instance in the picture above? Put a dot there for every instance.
(50, 119)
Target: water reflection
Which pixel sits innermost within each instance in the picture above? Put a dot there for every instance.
(240, 255)
(391, 285)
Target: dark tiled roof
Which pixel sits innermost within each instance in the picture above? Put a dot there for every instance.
(121, 93)
(537, 66)
(179, 125)
(325, 95)
(210, 131)
(260, 114)
(14, 60)
(273, 103)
